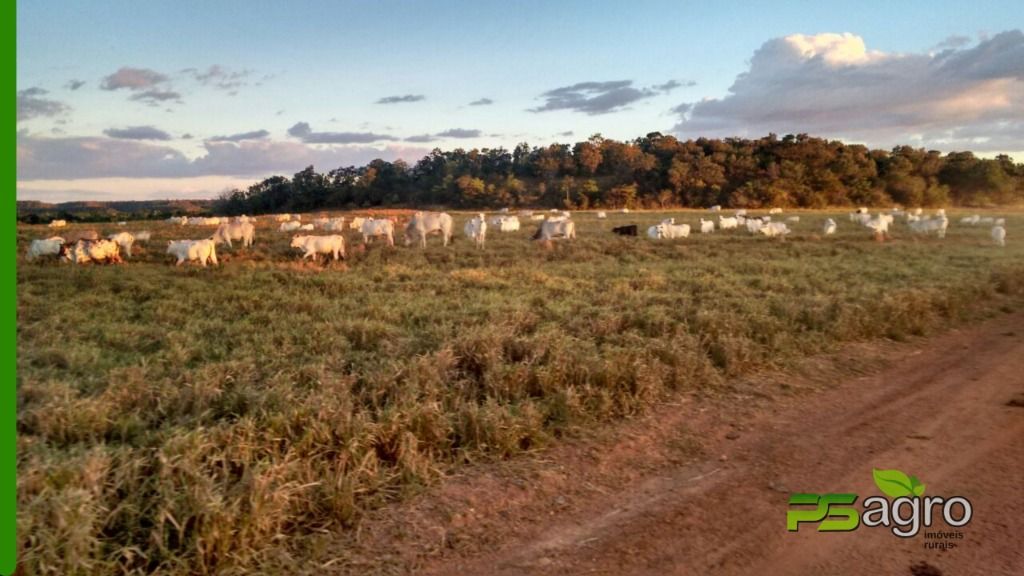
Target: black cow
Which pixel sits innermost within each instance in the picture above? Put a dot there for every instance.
(629, 230)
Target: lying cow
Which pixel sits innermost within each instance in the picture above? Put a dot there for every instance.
(290, 226)
(551, 229)
(84, 251)
(243, 231)
(629, 230)
(202, 251)
(374, 228)
(58, 223)
(313, 245)
(426, 223)
(49, 247)
(124, 240)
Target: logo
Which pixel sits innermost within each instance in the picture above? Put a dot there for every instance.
(904, 509)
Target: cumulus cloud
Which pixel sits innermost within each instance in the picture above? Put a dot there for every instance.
(31, 104)
(459, 133)
(600, 97)
(137, 133)
(254, 135)
(832, 85)
(401, 99)
(77, 158)
(482, 102)
(953, 42)
(302, 131)
(133, 79)
(74, 84)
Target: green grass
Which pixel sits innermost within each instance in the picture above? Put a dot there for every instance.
(188, 420)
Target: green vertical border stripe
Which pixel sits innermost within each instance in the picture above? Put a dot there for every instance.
(8, 340)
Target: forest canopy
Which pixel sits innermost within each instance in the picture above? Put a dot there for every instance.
(656, 171)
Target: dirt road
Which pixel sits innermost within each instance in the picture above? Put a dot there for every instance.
(641, 502)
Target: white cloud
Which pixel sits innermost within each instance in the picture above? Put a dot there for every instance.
(832, 85)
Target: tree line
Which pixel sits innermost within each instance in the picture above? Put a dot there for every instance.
(655, 171)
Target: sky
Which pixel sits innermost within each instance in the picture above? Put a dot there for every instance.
(153, 100)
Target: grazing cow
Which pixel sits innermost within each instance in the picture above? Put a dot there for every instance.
(999, 235)
(476, 230)
(425, 223)
(830, 227)
(57, 223)
(669, 231)
(773, 229)
(601, 215)
(229, 231)
(628, 230)
(85, 251)
(728, 223)
(313, 245)
(143, 236)
(124, 240)
(201, 250)
(880, 225)
(72, 236)
(290, 226)
(357, 223)
(707, 226)
(754, 225)
(926, 226)
(372, 228)
(551, 229)
(49, 247)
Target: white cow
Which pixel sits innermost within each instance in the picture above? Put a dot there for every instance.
(715, 208)
(793, 219)
(926, 226)
(283, 218)
(357, 223)
(476, 230)
(754, 225)
(85, 251)
(202, 251)
(143, 236)
(179, 220)
(57, 223)
(970, 220)
(425, 223)
(335, 225)
(48, 247)
(670, 231)
(373, 227)
(122, 223)
(196, 221)
(313, 245)
(601, 215)
(773, 229)
(552, 229)
(505, 223)
(741, 212)
(829, 228)
(728, 223)
(306, 227)
(229, 231)
(999, 235)
(707, 226)
(775, 211)
(124, 240)
(290, 226)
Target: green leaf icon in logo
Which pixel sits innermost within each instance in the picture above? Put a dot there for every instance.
(895, 484)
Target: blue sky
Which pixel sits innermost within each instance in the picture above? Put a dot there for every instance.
(128, 99)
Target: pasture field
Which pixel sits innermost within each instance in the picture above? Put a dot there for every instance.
(188, 420)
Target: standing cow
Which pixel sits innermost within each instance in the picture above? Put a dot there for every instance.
(424, 223)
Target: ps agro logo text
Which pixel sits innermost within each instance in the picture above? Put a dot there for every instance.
(906, 514)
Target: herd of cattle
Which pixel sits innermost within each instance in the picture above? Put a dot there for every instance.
(83, 246)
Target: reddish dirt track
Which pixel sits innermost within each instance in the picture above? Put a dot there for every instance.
(636, 500)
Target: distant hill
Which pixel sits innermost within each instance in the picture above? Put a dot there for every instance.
(34, 211)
